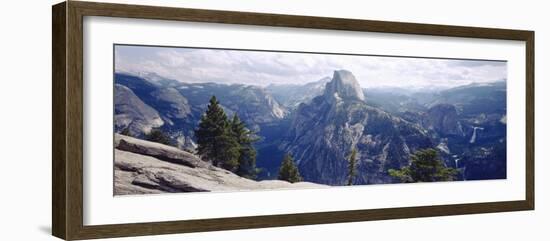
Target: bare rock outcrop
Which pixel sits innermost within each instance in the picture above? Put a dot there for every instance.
(324, 131)
(444, 119)
(343, 86)
(143, 167)
(132, 113)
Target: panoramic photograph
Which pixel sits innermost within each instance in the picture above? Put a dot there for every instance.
(223, 120)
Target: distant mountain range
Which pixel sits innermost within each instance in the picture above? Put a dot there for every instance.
(319, 123)
(292, 95)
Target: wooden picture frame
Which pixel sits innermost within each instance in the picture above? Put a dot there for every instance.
(67, 137)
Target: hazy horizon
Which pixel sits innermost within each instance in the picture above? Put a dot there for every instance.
(195, 65)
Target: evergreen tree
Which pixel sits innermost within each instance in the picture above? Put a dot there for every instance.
(211, 126)
(425, 167)
(352, 166)
(156, 135)
(215, 139)
(228, 149)
(288, 170)
(247, 154)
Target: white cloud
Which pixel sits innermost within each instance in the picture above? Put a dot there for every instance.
(262, 67)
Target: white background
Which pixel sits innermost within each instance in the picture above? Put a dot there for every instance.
(25, 139)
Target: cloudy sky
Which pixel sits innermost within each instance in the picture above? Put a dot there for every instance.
(263, 68)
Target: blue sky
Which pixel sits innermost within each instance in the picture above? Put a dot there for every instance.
(264, 68)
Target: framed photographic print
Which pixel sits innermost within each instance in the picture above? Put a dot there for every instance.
(171, 120)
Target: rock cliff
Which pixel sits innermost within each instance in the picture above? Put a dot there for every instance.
(323, 133)
(143, 167)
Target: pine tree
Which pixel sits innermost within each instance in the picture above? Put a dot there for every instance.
(215, 139)
(228, 149)
(288, 170)
(247, 154)
(425, 167)
(210, 127)
(352, 166)
(156, 135)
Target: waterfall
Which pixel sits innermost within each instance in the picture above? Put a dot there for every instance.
(459, 169)
(473, 139)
